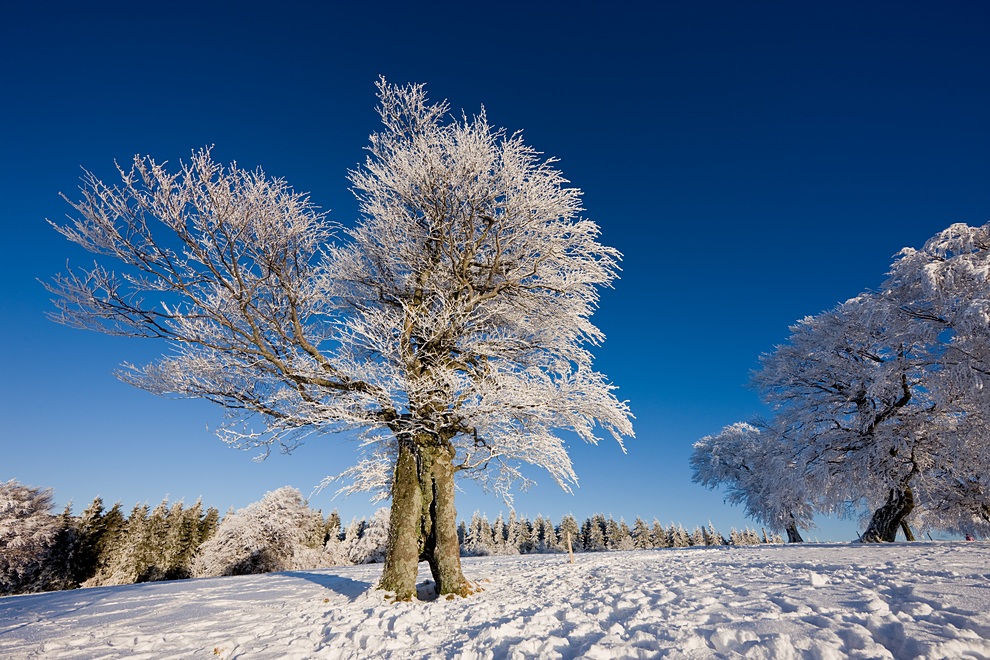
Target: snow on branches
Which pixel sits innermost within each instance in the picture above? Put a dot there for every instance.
(877, 403)
(470, 281)
(450, 324)
(27, 531)
(459, 303)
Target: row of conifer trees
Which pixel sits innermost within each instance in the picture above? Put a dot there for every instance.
(44, 551)
(518, 535)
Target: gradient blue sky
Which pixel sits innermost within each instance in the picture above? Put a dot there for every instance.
(756, 162)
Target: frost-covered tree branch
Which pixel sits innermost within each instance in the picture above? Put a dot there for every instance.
(882, 400)
(222, 263)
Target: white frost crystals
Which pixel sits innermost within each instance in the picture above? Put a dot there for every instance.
(458, 304)
(27, 532)
(472, 281)
(879, 404)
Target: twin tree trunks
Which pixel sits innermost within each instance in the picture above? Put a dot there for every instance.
(423, 522)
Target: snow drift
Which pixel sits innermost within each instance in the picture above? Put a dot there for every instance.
(928, 600)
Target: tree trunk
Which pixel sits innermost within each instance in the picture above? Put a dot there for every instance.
(440, 547)
(908, 534)
(793, 535)
(404, 528)
(423, 522)
(887, 519)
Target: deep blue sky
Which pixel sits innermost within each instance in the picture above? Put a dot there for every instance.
(756, 162)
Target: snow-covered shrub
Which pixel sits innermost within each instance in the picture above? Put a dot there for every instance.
(27, 530)
(369, 545)
(269, 535)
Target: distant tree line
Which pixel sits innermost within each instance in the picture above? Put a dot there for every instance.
(41, 550)
(518, 535)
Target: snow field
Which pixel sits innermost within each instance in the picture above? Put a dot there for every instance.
(921, 600)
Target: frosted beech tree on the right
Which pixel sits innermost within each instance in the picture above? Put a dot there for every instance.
(851, 400)
(943, 289)
(881, 402)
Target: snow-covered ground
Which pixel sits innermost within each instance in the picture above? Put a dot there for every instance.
(927, 600)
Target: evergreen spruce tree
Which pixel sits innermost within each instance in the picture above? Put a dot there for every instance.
(334, 525)
(642, 538)
(140, 549)
(658, 535)
(514, 535)
(89, 528)
(698, 537)
(369, 547)
(677, 537)
(153, 551)
(209, 523)
(599, 530)
(479, 536)
(109, 542)
(172, 545)
(593, 533)
(537, 538)
(545, 536)
(128, 558)
(334, 550)
(498, 535)
(712, 537)
(612, 534)
(551, 541)
(524, 535)
(184, 537)
(58, 568)
(352, 540)
(569, 532)
(585, 539)
(625, 539)
(317, 537)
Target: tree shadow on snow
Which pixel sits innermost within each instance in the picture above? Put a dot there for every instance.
(338, 584)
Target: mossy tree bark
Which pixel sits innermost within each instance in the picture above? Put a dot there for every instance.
(423, 522)
(402, 555)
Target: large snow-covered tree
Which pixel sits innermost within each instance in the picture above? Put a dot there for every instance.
(849, 396)
(758, 471)
(941, 294)
(451, 323)
(881, 401)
